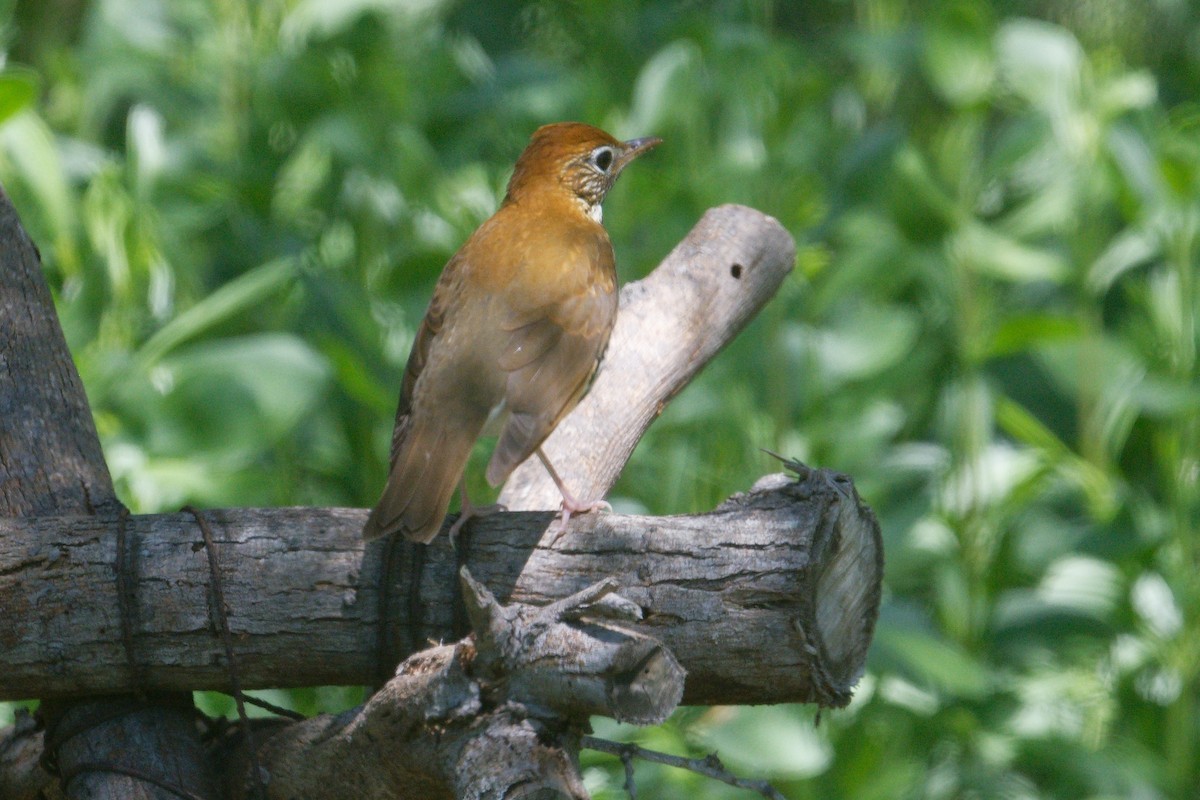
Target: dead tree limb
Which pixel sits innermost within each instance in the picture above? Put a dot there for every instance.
(493, 712)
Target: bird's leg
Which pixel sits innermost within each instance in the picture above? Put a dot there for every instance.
(469, 511)
(569, 504)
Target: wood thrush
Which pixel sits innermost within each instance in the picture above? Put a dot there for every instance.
(517, 325)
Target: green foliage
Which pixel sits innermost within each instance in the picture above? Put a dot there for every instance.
(993, 325)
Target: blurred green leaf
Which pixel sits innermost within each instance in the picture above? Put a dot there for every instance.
(989, 480)
(38, 165)
(959, 56)
(865, 341)
(1083, 583)
(991, 253)
(934, 662)
(240, 393)
(235, 297)
(301, 177)
(772, 740)
(18, 88)
(1131, 248)
(659, 83)
(1041, 62)
(316, 19)
(1023, 426)
(1019, 333)
(1128, 92)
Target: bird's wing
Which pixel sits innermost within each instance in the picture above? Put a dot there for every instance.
(418, 357)
(552, 351)
(429, 451)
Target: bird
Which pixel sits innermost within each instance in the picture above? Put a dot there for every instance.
(518, 322)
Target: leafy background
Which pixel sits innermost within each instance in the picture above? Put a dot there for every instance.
(242, 207)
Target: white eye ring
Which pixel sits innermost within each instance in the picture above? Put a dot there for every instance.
(602, 158)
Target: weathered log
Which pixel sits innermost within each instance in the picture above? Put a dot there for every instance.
(770, 598)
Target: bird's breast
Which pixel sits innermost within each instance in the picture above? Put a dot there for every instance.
(539, 251)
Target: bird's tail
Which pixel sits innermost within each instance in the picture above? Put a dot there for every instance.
(428, 464)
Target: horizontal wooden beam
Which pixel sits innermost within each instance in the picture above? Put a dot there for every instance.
(770, 598)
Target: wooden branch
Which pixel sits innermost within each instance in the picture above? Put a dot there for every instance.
(770, 598)
(704, 291)
(51, 462)
(669, 326)
(499, 711)
(21, 777)
(50, 458)
(710, 766)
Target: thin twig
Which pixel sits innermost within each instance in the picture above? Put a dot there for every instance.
(630, 784)
(710, 766)
(126, 565)
(278, 711)
(222, 624)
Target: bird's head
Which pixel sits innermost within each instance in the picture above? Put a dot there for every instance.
(575, 158)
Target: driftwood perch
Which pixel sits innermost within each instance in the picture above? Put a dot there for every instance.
(772, 597)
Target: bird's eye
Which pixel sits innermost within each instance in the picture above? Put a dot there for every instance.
(602, 157)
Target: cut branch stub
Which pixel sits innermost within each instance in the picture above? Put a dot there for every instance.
(560, 658)
(496, 716)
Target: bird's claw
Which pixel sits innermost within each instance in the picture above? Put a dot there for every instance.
(568, 509)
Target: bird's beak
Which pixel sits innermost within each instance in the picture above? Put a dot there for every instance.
(634, 148)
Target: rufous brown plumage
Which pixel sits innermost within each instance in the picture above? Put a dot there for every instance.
(517, 325)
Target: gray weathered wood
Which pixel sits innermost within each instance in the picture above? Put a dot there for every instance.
(770, 598)
(50, 458)
(670, 325)
(496, 715)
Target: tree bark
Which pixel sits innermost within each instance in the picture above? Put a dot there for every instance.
(51, 463)
(50, 457)
(493, 712)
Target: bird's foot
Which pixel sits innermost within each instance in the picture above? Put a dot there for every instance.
(570, 506)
